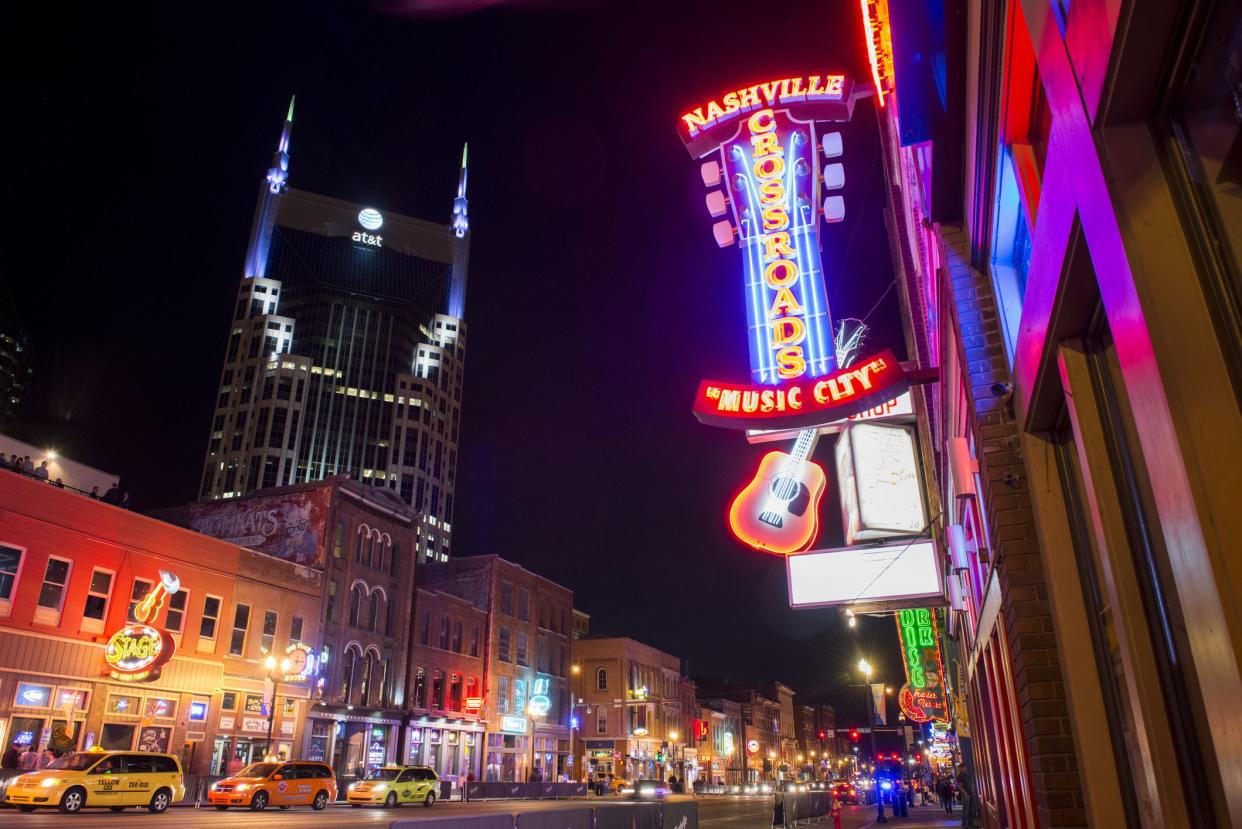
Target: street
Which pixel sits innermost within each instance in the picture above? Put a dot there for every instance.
(714, 812)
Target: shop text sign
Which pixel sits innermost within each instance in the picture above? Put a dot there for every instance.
(801, 403)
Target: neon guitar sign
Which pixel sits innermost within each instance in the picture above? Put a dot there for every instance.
(768, 159)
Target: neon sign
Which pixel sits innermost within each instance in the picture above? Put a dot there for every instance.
(370, 218)
(539, 701)
(137, 652)
(879, 46)
(924, 693)
(801, 403)
(784, 91)
(303, 663)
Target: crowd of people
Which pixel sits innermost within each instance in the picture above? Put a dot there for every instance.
(23, 758)
(23, 465)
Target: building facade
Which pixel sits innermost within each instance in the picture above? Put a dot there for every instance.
(446, 676)
(15, 371)
(631, 709)
(1067, 229)
(721, 750)
(89, 619)
(345, 354)
(361, 540)
(527, 705)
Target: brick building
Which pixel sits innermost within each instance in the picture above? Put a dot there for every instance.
(526, 656)
(73, 574)
(363, 541)
(447, 672)
(1062, 219)
(632, 707)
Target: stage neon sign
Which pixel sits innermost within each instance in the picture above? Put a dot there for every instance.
(923, 698)
(137, 652)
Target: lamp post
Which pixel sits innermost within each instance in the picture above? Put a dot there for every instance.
(865, 668)
(270, 664)
(531, 712)
(575, 672)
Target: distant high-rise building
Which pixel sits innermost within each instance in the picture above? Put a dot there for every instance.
(14, 364)
(346, 351)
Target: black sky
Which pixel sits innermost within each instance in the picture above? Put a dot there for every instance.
(597, 297)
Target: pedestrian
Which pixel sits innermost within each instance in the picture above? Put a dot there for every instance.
(46, 758)
(58, 483)
(42, 471)
(27, 465)
(113, 495)
(966, 786)
(30, 759)
(124, 501)
(11, 759)
(95, 492)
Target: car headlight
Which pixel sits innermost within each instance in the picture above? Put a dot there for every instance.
(49, 782)
(353, 786)
(379, 787)
(241, 787)
(215, 787)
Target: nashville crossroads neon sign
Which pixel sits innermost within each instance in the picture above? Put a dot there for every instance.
(784, 91)
(773, 173)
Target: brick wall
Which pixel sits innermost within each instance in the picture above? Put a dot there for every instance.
(1025, 616)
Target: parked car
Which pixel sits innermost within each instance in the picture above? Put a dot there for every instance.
(115, 779)
(282, 784)
(391, 786)
(651, 789)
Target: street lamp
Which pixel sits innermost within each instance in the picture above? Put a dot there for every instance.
(864, 667)
(575, 670)
(532, 711)
(270, 664)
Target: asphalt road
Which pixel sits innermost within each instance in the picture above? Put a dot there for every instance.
(714, 813)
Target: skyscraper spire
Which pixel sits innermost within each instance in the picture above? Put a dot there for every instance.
(279, 172)
(265, 211)
(460, 224)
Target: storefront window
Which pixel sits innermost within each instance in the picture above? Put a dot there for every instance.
(160, 707)
(154, 738)
(376, 742)
(117, 737)
(33, 695)
(320, 731)
(26, 730)
(74, 697)
(123, 704)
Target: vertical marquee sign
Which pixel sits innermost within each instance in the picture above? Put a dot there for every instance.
(923, 697)
(763, 147)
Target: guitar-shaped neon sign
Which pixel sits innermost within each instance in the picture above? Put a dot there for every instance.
(778, 511)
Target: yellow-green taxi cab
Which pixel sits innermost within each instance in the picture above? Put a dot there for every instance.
(393, 785)
(115, 779)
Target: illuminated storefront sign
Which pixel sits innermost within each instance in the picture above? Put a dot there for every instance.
(752, 746)
(137, 652)
(513, 725)
(923, 698)
(303, 663)
(878, 477)
(804, 403)
(879, 46)
(539, 703)
(906, 573)
(370, 218)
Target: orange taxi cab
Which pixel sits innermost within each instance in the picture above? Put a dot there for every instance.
(280, 784)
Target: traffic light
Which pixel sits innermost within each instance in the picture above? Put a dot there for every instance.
(854, 735)
(822, 735)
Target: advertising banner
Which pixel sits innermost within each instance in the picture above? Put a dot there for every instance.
(292, 527)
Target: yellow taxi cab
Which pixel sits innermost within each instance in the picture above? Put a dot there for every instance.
(283, 784)
(115, 779)
(393, 785)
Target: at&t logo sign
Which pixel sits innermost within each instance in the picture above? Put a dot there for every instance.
(370, 219)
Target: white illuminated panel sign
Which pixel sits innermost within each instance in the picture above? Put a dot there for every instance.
(906, 571)
(881, 496)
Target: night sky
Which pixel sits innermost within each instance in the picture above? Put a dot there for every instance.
(597, 296)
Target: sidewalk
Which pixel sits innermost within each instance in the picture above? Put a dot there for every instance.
(920, 816)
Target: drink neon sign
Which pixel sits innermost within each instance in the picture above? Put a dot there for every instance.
(923, 697)
(137, 652)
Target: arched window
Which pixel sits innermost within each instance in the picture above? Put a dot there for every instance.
(362, 535)
(365, 689)
(374, 617)
(601, 721)
(381, 688)
(601, 680)
(355, 603)
(377, 554)
(370, 549)
(349, 672)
